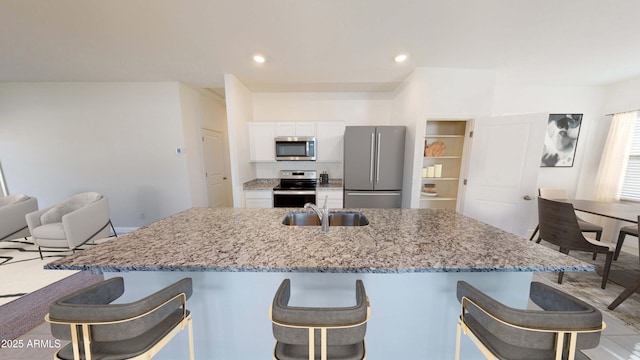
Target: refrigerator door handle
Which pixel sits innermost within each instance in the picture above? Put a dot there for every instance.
(378, 158)
(373, 144)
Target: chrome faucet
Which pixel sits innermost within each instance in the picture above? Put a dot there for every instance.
(323, 214)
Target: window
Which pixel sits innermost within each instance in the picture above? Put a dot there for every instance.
(631, 186)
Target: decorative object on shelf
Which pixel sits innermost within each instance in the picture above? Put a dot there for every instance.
(437, 148)
(429, 190)
(437, 170)
(561, 140)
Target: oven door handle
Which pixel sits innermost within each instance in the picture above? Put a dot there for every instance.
(294, 192)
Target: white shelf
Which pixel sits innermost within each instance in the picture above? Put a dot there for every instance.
(444, 157)
(435, 136)
(453, 135)
(437, 198)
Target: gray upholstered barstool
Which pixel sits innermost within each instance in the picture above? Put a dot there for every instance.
(563, 326)
(335, 333)
(137, 330)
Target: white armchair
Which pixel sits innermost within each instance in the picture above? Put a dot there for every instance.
(71, 223)
(13, 209)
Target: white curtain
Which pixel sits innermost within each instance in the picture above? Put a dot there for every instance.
(615, 156)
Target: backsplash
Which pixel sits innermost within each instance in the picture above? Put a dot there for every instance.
(272, 170)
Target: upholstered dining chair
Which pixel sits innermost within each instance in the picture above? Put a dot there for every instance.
(13, 211)
(71, 223)
(559, 327)
(559, 226)
(561, 194)
(302, 332)
(98, 329)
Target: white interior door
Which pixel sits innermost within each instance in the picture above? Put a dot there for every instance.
(216, 168)
(503, 170)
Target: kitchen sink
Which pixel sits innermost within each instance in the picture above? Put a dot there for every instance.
(336, 218)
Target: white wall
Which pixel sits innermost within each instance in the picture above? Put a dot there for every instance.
(200, 109)
(239, 113)
(119, 139)
(457, 92)
(409, 109)
(622, 96)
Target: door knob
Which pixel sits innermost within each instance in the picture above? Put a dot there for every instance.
(527, 197)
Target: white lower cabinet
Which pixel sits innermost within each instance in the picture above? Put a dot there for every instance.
(334, 200)
(258, 198)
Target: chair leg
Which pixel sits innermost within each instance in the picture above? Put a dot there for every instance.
(190, 330)
(459, 330)
(621, 237)
(607, 267)
(40, 251)
(598, 236)
(628, 291)
(535, 231)
(560, 276)
(112, 228)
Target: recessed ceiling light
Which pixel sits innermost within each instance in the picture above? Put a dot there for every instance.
(400, 58)
(259, 59)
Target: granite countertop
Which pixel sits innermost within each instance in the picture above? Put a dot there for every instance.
(255, 240)
(268, 184)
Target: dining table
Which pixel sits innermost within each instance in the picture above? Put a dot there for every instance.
(618, 211)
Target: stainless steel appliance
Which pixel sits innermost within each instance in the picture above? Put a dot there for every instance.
(373, 166)
(296, 188)
(294, 148)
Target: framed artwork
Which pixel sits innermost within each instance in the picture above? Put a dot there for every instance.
(561, 140)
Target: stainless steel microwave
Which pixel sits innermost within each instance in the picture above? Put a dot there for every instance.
(295, 148)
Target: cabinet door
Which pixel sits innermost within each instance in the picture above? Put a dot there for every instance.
(261, 141)
(334, 198)
(330, 141)
(258, 198)
(296, 128)
(286, 129)
(307, 128)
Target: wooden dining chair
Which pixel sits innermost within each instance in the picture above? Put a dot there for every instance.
(561, 194)
(559, 226)
(631, 230)
(632, 287)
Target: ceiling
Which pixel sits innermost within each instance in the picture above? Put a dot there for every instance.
(317, 45)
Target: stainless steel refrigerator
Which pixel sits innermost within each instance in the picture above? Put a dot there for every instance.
(373, 165)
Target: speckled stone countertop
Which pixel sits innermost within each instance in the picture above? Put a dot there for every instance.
(260, 184)
(268, 184)
(255, 240)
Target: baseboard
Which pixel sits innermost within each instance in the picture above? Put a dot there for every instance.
(124, 230)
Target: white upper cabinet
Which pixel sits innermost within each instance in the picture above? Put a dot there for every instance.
(329, 138)
(261, 143)
(296, 128)
(329, 141)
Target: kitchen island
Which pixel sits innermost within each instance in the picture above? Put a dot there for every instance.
(409, 260)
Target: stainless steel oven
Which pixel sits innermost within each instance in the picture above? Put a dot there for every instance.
(296, 188)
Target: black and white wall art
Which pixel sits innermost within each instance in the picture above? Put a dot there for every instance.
(561, 140)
